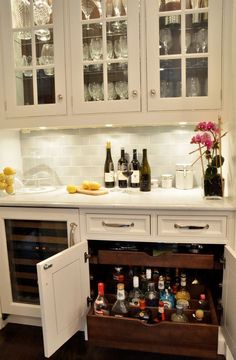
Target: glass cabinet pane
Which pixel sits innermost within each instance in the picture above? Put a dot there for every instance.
(197, 77)
(105, 59)
(170, 78)
(32, 26)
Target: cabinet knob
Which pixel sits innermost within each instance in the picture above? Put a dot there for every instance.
(134, 93)
(59, 97)
(153, 92)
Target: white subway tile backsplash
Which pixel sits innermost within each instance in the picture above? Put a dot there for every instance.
(73, 155)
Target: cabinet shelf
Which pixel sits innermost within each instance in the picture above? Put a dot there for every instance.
(177, 260)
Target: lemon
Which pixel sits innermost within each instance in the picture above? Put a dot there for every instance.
(94, 185)
(9, 179)
(3, 185)
(71, 189)
(9, 171)
(10, 189)
(86, 185)
(2, 177)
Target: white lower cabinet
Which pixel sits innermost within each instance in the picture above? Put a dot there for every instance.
(65, 284)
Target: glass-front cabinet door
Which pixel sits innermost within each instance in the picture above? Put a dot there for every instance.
(105, 55)
(34, 57)
(184, 54)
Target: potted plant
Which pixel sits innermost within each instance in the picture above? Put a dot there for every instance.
(208, 140)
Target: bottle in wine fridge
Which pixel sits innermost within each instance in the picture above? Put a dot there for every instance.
(122, 170)
(134, 168)
(109, 175)
(145, 173)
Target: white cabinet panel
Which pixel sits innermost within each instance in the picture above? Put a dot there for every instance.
(64, 287)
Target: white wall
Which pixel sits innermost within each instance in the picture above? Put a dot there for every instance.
(10, 150)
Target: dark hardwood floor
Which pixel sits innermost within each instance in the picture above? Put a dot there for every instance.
(21, 342)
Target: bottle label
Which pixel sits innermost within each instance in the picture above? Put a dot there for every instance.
(109, 176)
(120, 176)
(135, 177)
(134, 302)
(120, 295)
(161, 285)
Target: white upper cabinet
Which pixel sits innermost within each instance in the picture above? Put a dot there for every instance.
(105, 55)
(183, 54)
(33, 57)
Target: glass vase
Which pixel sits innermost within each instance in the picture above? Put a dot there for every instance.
(214, 187)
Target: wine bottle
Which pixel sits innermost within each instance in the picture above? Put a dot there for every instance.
(101, 304)
(122, 168)
(134, 167)
(109, 176)
(145, 173)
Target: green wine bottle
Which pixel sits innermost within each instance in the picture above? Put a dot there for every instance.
(145, 173)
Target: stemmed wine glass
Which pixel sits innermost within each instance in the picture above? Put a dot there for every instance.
(166, 40)
(109, 12)
(125, 4)
(87, 8)
(42, 13)
(96, 91)
(47, 58)
(117, 5)
(121, 88)
(95, 48)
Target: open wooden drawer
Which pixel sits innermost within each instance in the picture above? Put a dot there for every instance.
(197, 339)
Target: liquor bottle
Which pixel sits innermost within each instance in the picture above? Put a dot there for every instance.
(135, 294)
(122, 168)
(161, 312)
(161, 284)
(183, 296)
(109, 175)
(144, 313)
(118, 277)
(145, 173)
(121, 306)
(146, 280)
(179, 315)
(202, 302)
(151, 295)
(134, 167)
(177, 278)
(101, 304)
(168, 299)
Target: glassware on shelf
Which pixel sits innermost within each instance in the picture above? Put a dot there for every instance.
(87, 96)
(193, 86)
(27, 61)
(87, 9)
(47, 58)
(194, 46)
(98, 4)
(117, 49)
(22, 18)
(123, 47)
(202, 38)
(121, 88)
(117, 5)
(196, 17)
(95, 48)
(166, 89)
(109, 8)
(112, 95)
(96, 91)
(86, 52)
(165, 40)
(110, 50)
(125, 4)
(42, 14)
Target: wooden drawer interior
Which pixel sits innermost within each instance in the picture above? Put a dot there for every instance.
(198, 339)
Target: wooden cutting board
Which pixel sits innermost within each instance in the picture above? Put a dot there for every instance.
(101, 191)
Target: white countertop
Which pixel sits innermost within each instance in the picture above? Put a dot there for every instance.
(126, 199)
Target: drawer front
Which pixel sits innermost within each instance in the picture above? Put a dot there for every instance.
(126, 225)
(192, 226)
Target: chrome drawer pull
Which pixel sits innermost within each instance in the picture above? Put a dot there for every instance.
(47, 266)
(73, 227)
(191, 227)
(113, 225)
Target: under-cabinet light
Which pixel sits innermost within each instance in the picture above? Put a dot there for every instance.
(108, 125)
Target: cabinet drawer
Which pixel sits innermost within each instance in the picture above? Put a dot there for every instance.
(192, 226)
(122, 225)
(166, 337)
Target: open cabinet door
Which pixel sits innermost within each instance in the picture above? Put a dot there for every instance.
(229, 300)
(63, 281)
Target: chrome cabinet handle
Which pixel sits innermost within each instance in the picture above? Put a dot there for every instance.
(73, 227)
(153, 92)
(191, 227)
(113, 225)
(59, 97)
(134, 93)
(47, 266)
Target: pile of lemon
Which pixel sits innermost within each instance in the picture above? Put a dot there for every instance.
(86, 185)
(7, 180)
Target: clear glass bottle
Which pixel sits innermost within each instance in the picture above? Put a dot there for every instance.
(135, 167)
(145, 173)
(118, 277)
(183, 296)
(109, 175)
(151, 295)
(135, 294)
(146, 280)
(101, 306)
(122, 167)
(121, 306)
(179, 315)
(161, 284)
